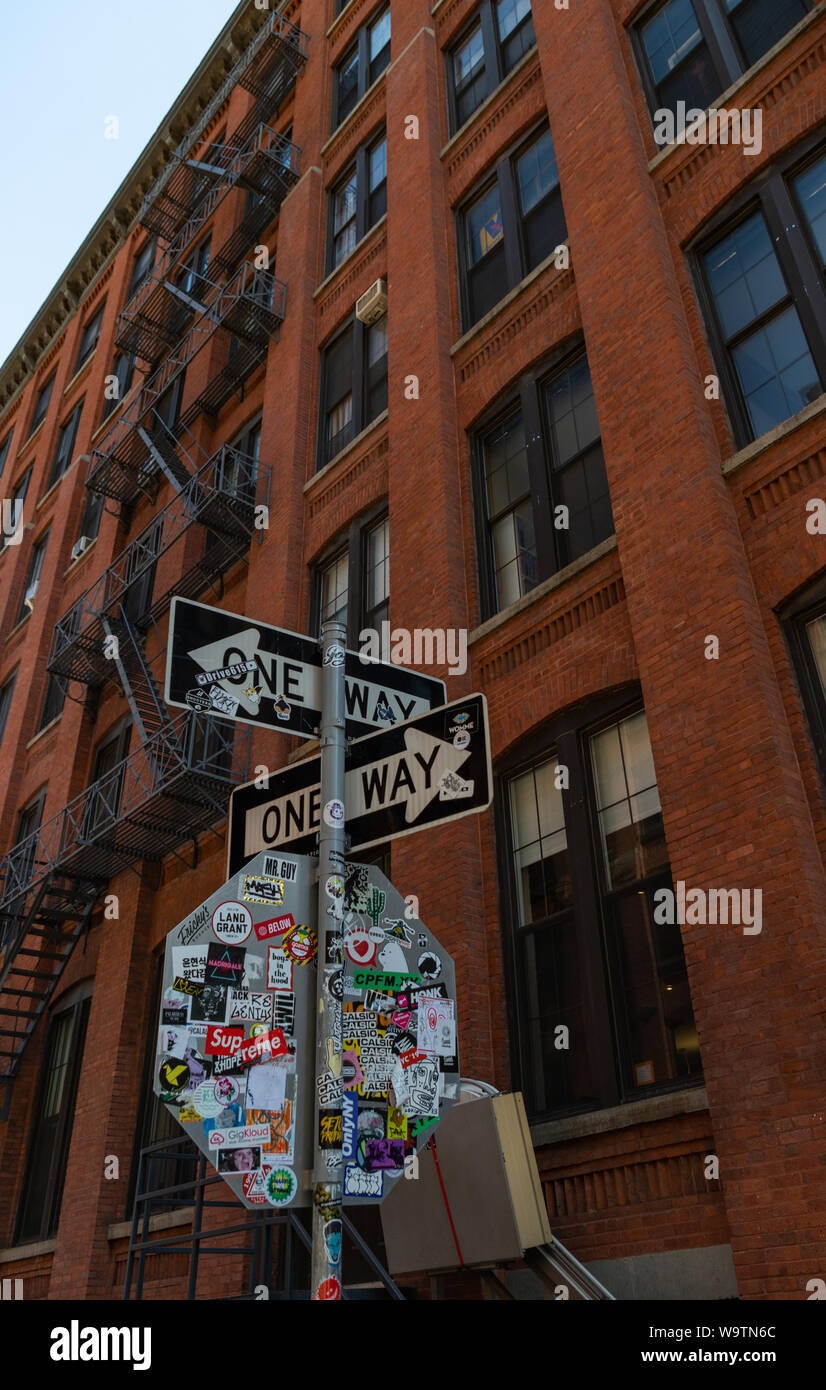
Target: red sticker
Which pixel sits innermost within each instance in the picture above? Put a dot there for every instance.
(262, 1048)
(328, 1289)
(409, 1059)
(222, 1041)
(274, 926)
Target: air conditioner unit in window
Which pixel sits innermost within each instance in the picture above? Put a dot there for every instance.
(80, 545)
(372, 305)
(30, 593)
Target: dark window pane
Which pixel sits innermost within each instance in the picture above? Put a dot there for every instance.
(776, 372)
(681, 66)
(6, 693)
(4, 450)
(760, 24)
(348, 85)
(744, 275)
(379, 46)
(484, 225)
(553, 995)
(516, 32)
(469, 74)
(53, 702)
(628, 803)
(344, 218)
(42, 404)
(811, 190)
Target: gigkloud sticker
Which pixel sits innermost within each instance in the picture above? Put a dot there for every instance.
(232, 923)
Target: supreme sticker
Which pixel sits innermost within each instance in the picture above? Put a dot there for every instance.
(222, 1041)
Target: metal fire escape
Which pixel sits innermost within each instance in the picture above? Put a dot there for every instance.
(176, 779)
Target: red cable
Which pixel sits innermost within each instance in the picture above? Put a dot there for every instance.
(447, 1203)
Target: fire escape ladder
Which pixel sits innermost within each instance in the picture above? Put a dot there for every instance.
(149, 713)
(38, 932)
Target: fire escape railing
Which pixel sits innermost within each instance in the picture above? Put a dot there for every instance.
(223, 496)
(118, 820)
(249, 308)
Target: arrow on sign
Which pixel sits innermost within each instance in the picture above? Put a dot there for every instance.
(403, 778)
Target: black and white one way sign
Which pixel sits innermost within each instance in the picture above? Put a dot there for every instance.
(402, 779)
(228, 665)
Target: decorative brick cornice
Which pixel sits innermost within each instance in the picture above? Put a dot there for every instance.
(364, 265)
(372, 460)
(345, 25)
(527, 645)
(612, 1183)
(520, 315)
(343, 144)
(796, 475)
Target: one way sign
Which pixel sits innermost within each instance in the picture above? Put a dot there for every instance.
(402, 779)
(229, 665)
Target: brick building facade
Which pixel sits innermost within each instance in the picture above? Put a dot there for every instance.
(586, 432)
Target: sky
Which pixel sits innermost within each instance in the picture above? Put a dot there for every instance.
(68, 66)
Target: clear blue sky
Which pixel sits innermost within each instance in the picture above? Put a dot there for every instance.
(67, 66)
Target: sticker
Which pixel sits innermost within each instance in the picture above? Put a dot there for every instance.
(359, 1183)
(452, 787)
(189, 963)
(423, 1086)
(225, 673)
(281, 868)
(281, 1131)
(329, 1089)
(172, 1040)
(334, 888)
(231, 923)
(329, 1289)
(282, 709)
(198, 699)
(173, 1075)
(222, 1041)
(333, 813)
(210, 1006)
(227, 1090)
(430, 966)
(332, 948)
(246, 1007)
(254, 1188)
(335, 983)
(382, 979)
(265, 1046)
(188, 1116)
(283, 1011)
(281, 1186)
(349, 1125)
(461, 739)
(399, 930)
(194, 923)
(301, 944)
(279, 969)
(274, 926)
(329, 1129)
(436, 1026)
(396, 1123)
(261, 888)
(241, 1160)
(266, 1086)
(239, 1138)
(463, 720)
(205, 1101)
(359, 948)
(224, 965)
(383, 1155)
(351, 1073)
(371, 1122)
(422, 940)
(220, 700)
(332, 1240)
(253, 693)
(182, 985)
(176, 1015)
(334, 655)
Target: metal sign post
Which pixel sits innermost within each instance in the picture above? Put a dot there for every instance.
(327, 1180)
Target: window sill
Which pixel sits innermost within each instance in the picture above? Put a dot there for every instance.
(555, 581)
(340, 131)
(18, 628)
(84, 366)
(496, 95)
(487, 319)
(26, 442)
(360, 246)
(342, 453)
(55, 485)
(45, 730)
(70, 569)
(766, 441)
(636, 1112)
(27, 1252)
(742, 81)
(162, 1221)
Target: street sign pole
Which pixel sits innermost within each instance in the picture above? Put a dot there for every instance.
(327, 1181)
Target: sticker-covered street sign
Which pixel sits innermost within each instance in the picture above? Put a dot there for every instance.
(234, 1062)
(227, 664)
(405, 778)
(381, 1098)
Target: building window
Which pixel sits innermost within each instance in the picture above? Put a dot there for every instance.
(4, 450)
(764, 293)
(587, 952)
(353, 583)
(89, 337)
(542, 484)
(141, 267)
(804, 625)
(28, 824)
(65, 444)
(691, 51)
(190, 278)
(39, 1210)
(102, 806)
(18, 497)
(6, 694)
(92, 512)
(511, 226)
(33, 574)
(353, 385)
(358, 201)
(500, 33)
(41, 405)
(53, 701)
(123, 369)
(361, 65)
